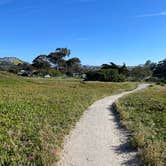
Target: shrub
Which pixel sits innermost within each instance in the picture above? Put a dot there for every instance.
(108, 75)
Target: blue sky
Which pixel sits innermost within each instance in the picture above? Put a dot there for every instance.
(97, 31)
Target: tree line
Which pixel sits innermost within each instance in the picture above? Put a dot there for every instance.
(58, 63)
(149, 71)
(55, 63)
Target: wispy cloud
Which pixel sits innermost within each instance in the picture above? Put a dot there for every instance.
(152, 14)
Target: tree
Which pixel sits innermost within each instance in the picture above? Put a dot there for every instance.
(160, 70)
(24, 66)
(109, 75)
(114, 66)
(57, 57)
(123, 70)
(63, 51)
(105, 66)
(149, 64)
(41, 62)
(140, 73)
(73, 65)
(110, 66)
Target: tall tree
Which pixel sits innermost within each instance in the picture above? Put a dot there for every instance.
(73, 65)
(63, 51)
(160, 70)
(105, 66)
(140, 73)
(41, 62)
(57, 57)
(123, 70)
(149, 64)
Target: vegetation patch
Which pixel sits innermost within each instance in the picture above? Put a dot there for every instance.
(36, 114)
(144, 115)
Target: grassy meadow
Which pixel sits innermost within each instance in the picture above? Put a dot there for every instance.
(36, 114)
(144, 114)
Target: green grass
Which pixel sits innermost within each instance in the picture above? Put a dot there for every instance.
(36, 114)
(144, 114)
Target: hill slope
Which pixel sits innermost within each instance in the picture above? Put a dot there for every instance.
(9, 61)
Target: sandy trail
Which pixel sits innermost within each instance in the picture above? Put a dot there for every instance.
(97, 139)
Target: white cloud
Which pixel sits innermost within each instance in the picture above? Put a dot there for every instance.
(153, 14)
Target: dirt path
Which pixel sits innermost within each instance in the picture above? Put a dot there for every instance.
(97, 139)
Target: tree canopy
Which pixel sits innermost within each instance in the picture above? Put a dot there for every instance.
(58, 63)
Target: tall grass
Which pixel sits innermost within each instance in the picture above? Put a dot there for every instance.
(144, 114)
(36, 114)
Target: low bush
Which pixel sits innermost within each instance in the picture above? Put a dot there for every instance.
(107, 75)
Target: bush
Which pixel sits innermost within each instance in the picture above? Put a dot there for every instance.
(107, 75)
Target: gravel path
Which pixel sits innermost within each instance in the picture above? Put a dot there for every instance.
(98, 139)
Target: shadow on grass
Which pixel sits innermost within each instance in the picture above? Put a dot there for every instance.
(124, 149)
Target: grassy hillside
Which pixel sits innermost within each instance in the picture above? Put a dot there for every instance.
(144, 114)
(35, 114)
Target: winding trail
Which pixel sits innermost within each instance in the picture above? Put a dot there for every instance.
(98, 139)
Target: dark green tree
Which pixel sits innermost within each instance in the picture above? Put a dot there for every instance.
(123, 70)
(160, 70)
(57, 57)
(139, 73)
(73, 65)
(41, 62)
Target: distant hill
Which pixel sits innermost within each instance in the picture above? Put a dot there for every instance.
(10, 60)
(7, 62)
(90, 67)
